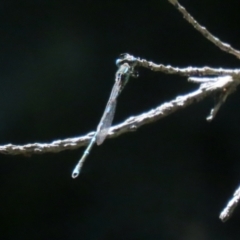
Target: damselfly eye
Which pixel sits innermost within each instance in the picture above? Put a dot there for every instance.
(122, 57)
(118, 62)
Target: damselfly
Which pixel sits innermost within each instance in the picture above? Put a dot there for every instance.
(125, 70)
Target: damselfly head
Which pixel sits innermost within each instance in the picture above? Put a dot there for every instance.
(125, 57)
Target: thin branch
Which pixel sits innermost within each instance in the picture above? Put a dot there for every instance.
(189, 71)
(232, 204)
(221, 98)
(129, 125)
(223, 46)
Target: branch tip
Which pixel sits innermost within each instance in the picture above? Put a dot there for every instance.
(231, 205)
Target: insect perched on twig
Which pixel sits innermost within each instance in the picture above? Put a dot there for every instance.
(125, 70)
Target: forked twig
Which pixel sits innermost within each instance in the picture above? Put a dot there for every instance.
(222, 96)
(129, 125)
(232, 204)
(224, 82)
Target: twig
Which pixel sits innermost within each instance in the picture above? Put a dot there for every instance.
(129, 125)
(222, 97)
(232, 204)
(223, 46)
(189, 71)
(221, 100)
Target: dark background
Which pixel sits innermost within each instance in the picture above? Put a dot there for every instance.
(168, 180)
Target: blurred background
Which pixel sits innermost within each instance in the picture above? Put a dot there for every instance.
(168, 180)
